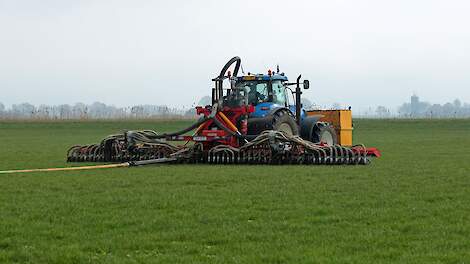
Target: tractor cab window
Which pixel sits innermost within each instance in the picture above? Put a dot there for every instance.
(257, 91)
(279, 93)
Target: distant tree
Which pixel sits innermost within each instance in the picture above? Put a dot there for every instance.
(382, 112)
(79, 110)
(120, 112)
(458, 110)
(434, 111)
(65, 111)
(97, 110)
(2, 110)
(405, 110)
(43, 111)
(137, 111)
(24, 110)
(466, 110)
(448, 110)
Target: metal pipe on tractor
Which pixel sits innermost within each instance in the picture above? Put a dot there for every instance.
(253, 122)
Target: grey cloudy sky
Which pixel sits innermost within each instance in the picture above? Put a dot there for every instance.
(362, 52)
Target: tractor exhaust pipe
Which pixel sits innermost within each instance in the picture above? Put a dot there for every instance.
(298, 103)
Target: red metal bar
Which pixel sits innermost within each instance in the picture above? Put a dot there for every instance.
(374, 152)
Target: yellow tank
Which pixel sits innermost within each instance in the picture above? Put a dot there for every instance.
(341, 120)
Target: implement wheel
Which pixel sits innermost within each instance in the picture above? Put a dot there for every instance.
(325, 133)
(284, 122)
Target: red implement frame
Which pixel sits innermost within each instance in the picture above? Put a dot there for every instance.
(209, 133)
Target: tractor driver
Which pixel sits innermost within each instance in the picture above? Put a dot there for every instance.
(258, 92)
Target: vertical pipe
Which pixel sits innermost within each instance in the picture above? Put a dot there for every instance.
(213, 95)
(221, 91)
(298, 103)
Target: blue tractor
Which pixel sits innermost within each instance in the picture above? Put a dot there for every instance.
(257, 120)
(276, 105)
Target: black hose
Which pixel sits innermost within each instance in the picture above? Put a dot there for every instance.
(237, 61)
(195, 125)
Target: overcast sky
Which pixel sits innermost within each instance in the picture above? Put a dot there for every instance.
(359, 53)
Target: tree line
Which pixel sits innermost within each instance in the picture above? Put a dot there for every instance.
(95, 110)
(456, 109)
(413, 109)
(419, 109)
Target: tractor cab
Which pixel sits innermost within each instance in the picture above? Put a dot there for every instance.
(262, 88)
(267, 93)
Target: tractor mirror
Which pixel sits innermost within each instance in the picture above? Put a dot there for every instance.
(306, 84)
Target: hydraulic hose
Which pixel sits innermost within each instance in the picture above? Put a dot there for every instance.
(226, 129)
(193, 126)
(212, 117)
(178, 133)
(231, 126)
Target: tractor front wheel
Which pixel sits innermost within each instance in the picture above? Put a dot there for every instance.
(284, 122)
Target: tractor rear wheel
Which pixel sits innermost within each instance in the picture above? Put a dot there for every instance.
(284, 122)
(325, 133)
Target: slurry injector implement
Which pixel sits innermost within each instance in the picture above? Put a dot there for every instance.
(253, 121)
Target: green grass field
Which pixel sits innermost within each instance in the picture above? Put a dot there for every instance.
(410, 206)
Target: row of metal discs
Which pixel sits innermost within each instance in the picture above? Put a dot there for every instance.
(255, 155)
(117, 153)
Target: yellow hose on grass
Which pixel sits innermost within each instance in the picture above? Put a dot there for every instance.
(107, 166)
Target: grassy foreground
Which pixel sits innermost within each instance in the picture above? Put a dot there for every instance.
(410, 206)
